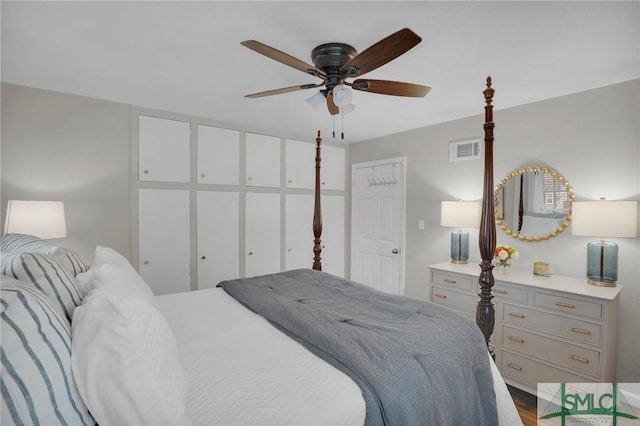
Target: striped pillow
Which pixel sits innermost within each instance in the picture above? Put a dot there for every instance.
(47, 275)
(69, 259)
(37, 383)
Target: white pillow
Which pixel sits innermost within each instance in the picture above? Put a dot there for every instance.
(106, 255)
(113, 274)
(125, 362)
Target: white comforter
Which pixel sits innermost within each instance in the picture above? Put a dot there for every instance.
(242, 370)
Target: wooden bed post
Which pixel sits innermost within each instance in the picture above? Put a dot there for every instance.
(485, 313)
(317, 212)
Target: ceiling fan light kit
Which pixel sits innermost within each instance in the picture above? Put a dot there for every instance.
(317, 100)
(334, 63)
(342, 95)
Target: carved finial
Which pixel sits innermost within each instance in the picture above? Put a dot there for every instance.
(318, 133)
(488, 92)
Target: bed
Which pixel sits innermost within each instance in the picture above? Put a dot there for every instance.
(86, 343)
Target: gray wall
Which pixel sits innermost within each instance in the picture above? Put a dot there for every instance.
(74, 149)
(591, 138)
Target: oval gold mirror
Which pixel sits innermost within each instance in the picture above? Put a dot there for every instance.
(533, 203)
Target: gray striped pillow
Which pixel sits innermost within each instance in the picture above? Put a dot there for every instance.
(46, 274)
(37, 383)
(69, 259)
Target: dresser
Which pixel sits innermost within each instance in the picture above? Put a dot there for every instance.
(548, 329)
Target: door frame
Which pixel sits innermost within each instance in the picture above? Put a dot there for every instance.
(402, 215)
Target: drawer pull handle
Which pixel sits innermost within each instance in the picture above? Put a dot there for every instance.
(581, 331)
(441, 296)
(449, 281)
(514, 366)
(566, 305)
(513, 314)
(516, 339)
(497, 290)
(578, 358)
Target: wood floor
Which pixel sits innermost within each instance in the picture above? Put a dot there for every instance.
(526, 405)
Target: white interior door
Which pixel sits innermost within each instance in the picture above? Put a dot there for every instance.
(377, 224)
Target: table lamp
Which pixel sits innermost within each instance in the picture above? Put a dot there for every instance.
(613, 219)
(460, 214)
(42, 219)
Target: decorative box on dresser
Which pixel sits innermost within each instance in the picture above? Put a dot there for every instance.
(548, 329)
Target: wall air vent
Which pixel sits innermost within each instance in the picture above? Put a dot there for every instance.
(464, 150)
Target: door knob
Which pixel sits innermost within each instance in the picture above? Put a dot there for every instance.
(395, 251)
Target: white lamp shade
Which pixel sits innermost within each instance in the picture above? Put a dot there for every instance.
(43, 219)
(317, 100)
(605, 218)
(347, 109)
(342, 95)
(460, 214)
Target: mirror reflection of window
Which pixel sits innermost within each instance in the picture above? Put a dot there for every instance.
(537, 203)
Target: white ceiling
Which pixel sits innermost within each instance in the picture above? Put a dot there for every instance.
(186, 57)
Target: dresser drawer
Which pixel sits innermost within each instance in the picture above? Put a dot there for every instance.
(571, 328)
(462, 282)
(461, 302)
(575, 357)
(573, 306)
(530, 372)
(504, 291)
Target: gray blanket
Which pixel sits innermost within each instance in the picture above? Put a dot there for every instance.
(417, 363)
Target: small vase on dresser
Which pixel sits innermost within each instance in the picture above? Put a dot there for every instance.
(548, 329)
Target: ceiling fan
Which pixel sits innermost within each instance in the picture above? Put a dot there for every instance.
(334, 63)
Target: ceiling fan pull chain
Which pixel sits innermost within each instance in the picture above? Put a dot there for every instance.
(334, 126)
(342, 125)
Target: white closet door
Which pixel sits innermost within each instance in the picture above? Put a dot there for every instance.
(163, 149)
(262, 233)
(164, 250)
(218, 237)
(333, 238)
(218, 156)
(262, 160)
(299, 231)
(300, 164)
(333, 164)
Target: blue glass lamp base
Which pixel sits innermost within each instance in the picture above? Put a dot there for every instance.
(602, 263)
(459, 247)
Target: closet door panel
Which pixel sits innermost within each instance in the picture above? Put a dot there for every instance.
(300, 164)
(163, 149)
(164, 248)
(333, 166)
(218, 156)
(299, 231)
(262, 233)
(218, 244)
(333, 234)
(262, 160)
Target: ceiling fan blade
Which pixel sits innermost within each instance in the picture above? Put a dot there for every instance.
(331, 106)
(382, 52)
(277, 91)
(395, 88)
(283, 58)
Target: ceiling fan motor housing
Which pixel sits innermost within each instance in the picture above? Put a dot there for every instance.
(330, 57)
